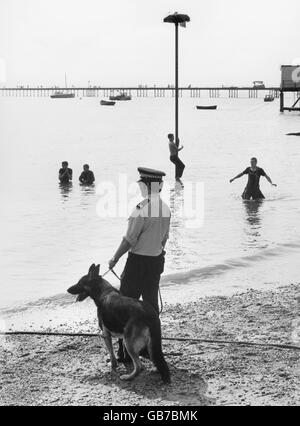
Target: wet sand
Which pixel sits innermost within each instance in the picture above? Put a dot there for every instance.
(75, 371)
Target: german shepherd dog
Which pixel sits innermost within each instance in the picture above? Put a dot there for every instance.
(136, 322)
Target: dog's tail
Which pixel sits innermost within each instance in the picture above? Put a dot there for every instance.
(156, 350)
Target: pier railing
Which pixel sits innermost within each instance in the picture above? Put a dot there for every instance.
(143, 92)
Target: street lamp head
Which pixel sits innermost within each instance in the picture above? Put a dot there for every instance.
(177, 18)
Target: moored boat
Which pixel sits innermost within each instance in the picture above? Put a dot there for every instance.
(269, 98)
(62, 95)
(209, 107)
(107, 103)
(121, 97)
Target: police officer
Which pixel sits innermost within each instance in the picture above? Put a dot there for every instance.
(145, 239)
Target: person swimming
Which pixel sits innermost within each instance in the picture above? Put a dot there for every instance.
(254, 173)
(87, 176)
(65, 174)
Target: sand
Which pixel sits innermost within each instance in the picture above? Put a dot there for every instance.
(75, 371)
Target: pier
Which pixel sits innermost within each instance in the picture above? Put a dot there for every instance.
(145, 91)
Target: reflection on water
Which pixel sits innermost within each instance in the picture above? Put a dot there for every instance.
(254, 220)
(65, 190)
(87, 189)
(86, 192)
(175, 244)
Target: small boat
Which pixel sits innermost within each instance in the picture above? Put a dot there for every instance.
(121, 97)
(269, 98)
(209, 107)
(62, 95)
(107, 103)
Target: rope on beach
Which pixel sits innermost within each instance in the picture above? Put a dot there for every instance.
(233, 342)
(174, 339)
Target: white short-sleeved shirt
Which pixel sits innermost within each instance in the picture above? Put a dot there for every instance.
(148, 227)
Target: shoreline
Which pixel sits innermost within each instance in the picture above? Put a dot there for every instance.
(39, 370)
(223, 278)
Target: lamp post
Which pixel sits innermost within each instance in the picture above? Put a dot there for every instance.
(177, 19)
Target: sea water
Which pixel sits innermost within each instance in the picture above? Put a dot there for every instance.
(50, 235)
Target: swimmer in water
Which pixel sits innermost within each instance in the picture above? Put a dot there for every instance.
(87, 176)
(174, 158)
(252, 189)
(65, 174)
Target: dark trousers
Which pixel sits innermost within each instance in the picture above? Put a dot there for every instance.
(179, 166)
(141, 277)
(252, 192)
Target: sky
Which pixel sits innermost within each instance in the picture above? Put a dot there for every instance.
(125, 42)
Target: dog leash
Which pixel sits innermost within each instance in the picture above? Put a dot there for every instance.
(159, 292)
(161, 302)
(115, 274)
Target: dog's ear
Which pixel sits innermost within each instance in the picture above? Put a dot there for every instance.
(97, 270)
(91, 271)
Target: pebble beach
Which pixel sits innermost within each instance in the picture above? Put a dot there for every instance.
(41, 370)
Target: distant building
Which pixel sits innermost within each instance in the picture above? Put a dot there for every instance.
(259, 84)
(290, 82)
(290, 77)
